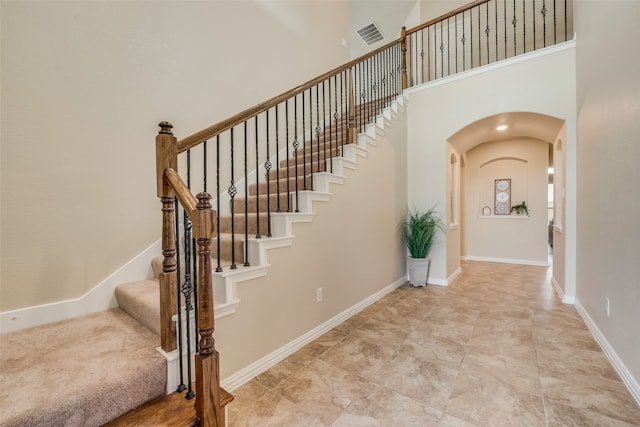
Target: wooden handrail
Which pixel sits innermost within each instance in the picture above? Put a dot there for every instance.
(205, 134)
(187, 200)
(446, 16)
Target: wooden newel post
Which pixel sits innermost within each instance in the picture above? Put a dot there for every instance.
(403, 47)
(167, 158)
(209, 409)
(351, 112)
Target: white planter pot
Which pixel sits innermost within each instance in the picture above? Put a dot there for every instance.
(418, 269)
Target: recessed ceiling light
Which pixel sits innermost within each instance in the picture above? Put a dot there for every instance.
(502, 127)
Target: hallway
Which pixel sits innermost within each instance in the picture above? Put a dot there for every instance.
(495, 348)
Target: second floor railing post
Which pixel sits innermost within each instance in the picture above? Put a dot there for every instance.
(167, 158)
(209, 408)
(351, 111)
(403, 48)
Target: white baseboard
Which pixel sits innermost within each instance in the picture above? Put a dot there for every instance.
(566, 299)
(100, 298)
(506, 260)
(628, 379)
(244, 375)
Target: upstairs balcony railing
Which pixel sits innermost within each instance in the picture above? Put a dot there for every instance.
(261, 160)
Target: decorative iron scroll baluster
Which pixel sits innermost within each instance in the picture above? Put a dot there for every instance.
(187, 286)
(267, 168)
(464, 52)
(246, 195)
(296, 144)
(317, 130)
(187, 290)
(514, 22)
(232, 193)
(181, 387)
(333, 113)
(441, 51)
(218, 243)
(324, 126)
(258, 236)
(487, 31)
(544, 23)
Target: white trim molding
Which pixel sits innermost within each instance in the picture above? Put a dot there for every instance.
(506, 260)
(628, 379)
(100, 298)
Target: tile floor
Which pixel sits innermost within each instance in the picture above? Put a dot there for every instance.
(496, 348)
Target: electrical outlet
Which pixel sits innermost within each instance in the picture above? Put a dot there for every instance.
(319, 295)
(608, 307)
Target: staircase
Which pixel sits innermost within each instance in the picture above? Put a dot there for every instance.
(141, 299)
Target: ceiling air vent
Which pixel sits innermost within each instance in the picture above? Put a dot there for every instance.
(370, 34)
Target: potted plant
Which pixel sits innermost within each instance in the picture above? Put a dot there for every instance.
(419, 228)
(520, 209)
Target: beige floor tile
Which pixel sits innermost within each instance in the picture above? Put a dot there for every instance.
(379, 406)
(605, 397)
(491, 403)
(496, 348)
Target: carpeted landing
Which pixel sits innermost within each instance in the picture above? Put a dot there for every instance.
(84, 371)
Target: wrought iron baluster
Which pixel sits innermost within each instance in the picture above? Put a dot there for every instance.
(455, 21)
(257, 139)
(181, 387)
(463, 41)
(487, 32)
(218, 243)
(471, 36)
(304, 154)
(286, 112)
(246, 197)
(267, 168)
(296, 144)
(524, 27)
(534, 23)
(186, 290)
(318, 129)
(495, 10)
(277, 161)
(514, 22)
(441, 51)
(232, 193)
(504, 4)
(449, 46)
(555, 26)
(544, 23)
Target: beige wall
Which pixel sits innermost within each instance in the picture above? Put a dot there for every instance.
(84, 85)
(608, 193)
(543, 83)
(352, 249)
(525, 162)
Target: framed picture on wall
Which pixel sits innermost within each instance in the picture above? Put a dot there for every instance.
(502, 191)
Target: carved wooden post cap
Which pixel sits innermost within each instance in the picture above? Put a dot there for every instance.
(203, 201)
(165, 127)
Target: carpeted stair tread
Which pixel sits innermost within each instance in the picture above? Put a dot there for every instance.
(83, 371)
(141, 301)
